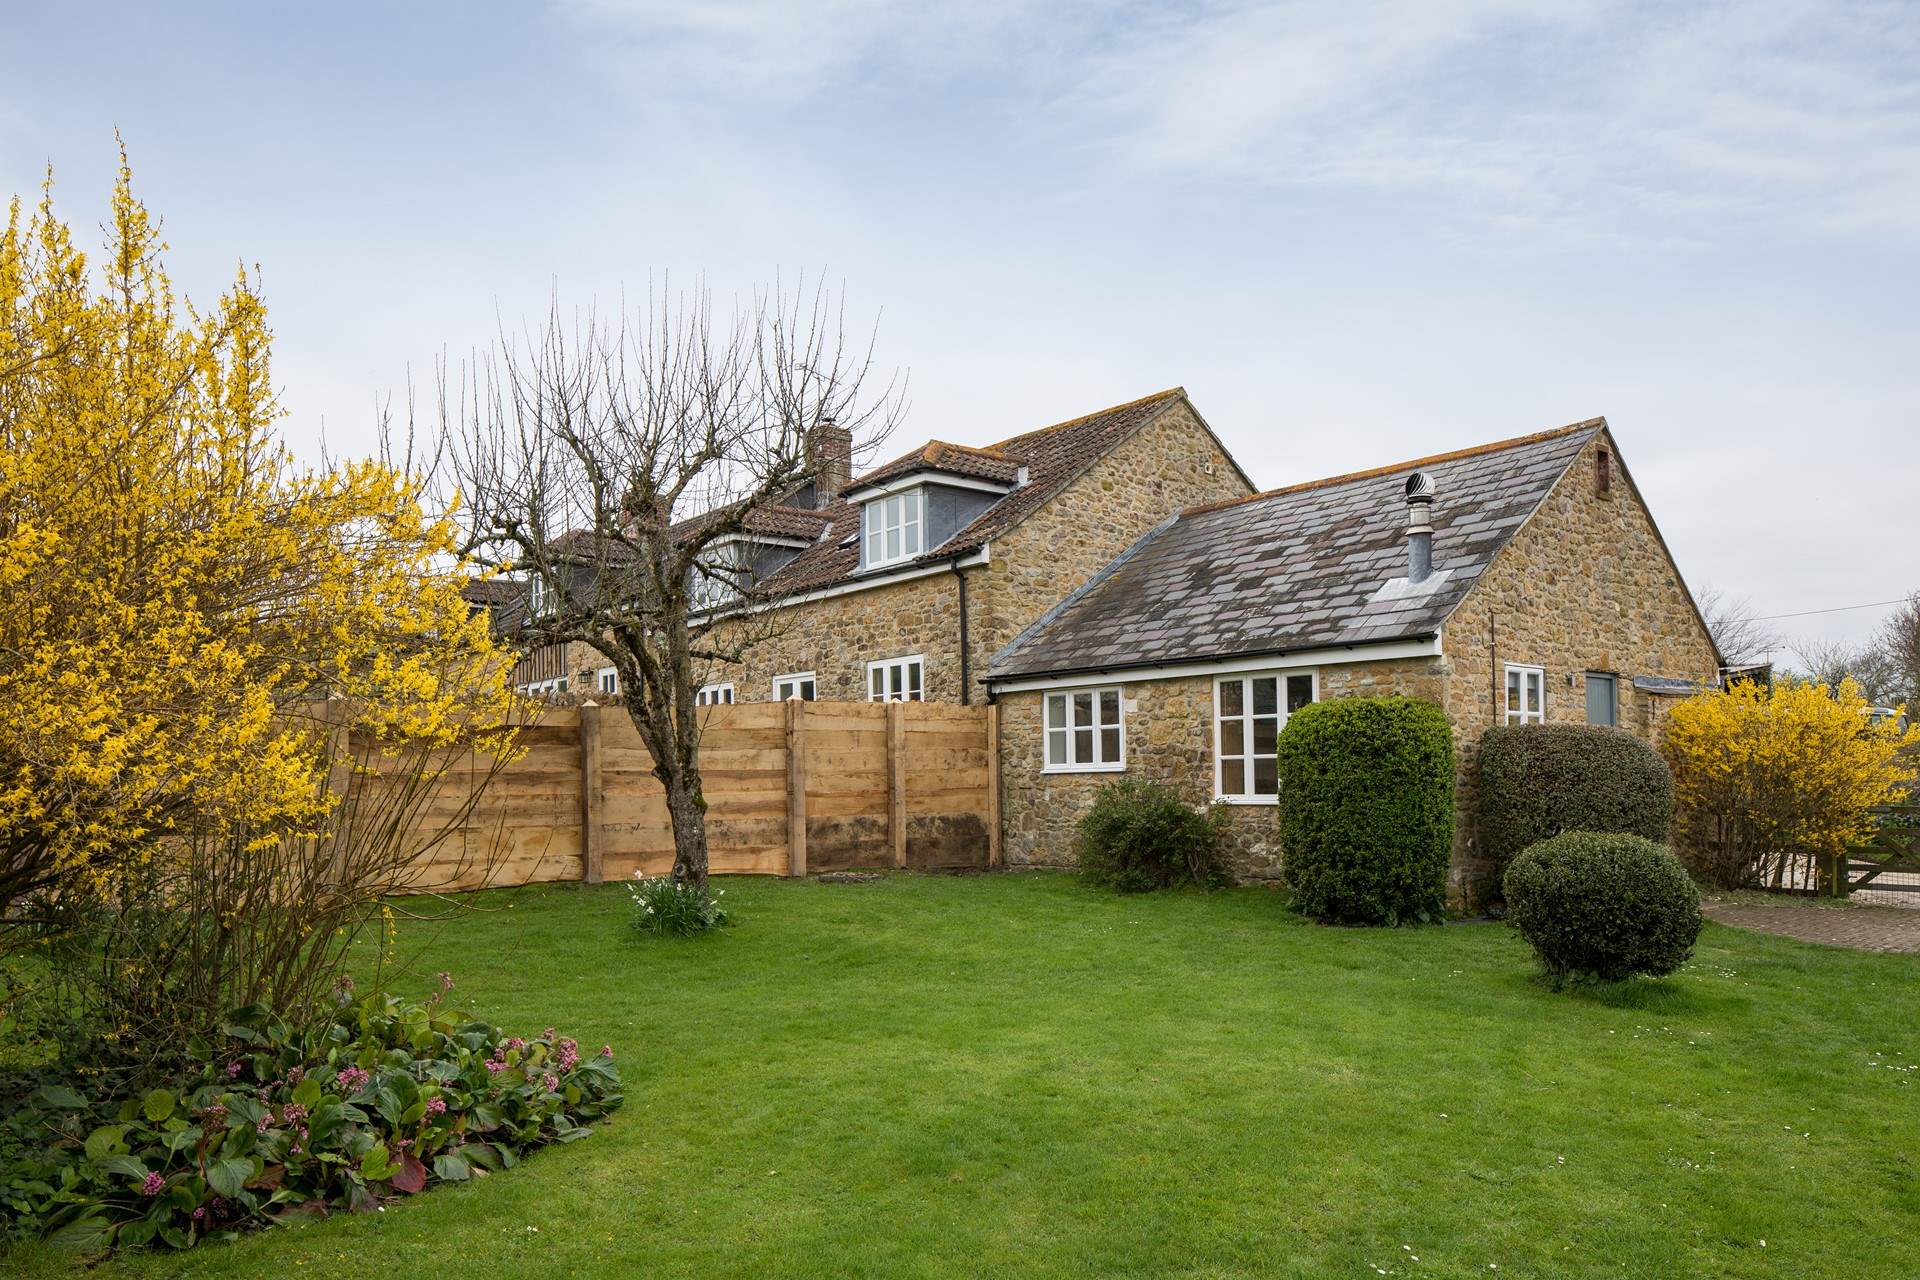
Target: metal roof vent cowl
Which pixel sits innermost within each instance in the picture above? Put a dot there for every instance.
(1419, 527)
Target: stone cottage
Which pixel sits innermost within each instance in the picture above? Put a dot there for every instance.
(1518, 582)
(901, 582)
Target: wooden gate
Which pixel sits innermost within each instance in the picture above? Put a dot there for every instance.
(1893, 851)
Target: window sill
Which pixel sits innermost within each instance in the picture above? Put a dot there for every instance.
(1085, 768)
(1251, 800)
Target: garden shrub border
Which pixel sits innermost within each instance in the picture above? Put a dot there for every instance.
(385, 1098)
(1604, 906)
(1536, 781)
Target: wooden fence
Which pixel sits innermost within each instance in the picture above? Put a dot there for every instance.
(1893, 852)
(792, 787)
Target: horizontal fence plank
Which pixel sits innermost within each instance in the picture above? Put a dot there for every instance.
(528, 824)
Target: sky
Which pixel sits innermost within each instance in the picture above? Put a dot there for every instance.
(1355, 232)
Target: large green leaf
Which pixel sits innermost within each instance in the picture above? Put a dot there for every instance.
(374, 1166)
(102, 1141)
(228, 1174)
(158, 1105)
(451, 1167)
(58, 1095)
(307, 1092)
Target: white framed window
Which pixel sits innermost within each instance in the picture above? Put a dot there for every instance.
(798, 685)
(1086, 731)
(894, 527)
(607, 679)
(1526, 694)
(896, 680)
(1248, 713)
(546, 688)
(717, 575)
(713, 695)
(539, 603)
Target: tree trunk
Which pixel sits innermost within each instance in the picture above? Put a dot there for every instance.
(687, 807)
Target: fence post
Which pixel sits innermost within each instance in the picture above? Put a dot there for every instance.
(593, 796)
(796, 786)
(996, 856)
(897, 780)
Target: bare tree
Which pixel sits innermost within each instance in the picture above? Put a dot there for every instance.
(1742, 637)
(1899, 644)
(1829, 662)
(624, 468)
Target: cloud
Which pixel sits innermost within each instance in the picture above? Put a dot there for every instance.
(788, 50)
(1634, 119)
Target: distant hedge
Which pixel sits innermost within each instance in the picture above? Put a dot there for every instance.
(1366, 809)
(1603, 906)
(1538, 780)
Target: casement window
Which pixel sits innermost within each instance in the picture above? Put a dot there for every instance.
(608, 680)
(1603, 698)
(546, 688)
(894, 527)
(1526, 694)
(1085, 731)
(718, 575)
(713, 695)
(539, 603)
(798, 685)
(1249, 712)
(896, 680)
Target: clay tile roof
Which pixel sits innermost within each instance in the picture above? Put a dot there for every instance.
(1052, 455)
(1297, 568)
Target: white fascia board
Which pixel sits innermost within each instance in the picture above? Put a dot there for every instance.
(915, 479)
(1324, 656)
(762, 540)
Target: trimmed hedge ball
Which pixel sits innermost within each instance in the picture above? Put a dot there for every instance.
(1603, 905)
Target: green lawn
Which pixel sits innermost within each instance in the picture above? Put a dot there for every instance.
(1016, 1075)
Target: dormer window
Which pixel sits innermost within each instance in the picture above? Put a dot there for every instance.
(717, 575)
(539, 602)
(894, 527)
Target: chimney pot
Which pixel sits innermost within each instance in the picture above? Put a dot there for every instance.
(1420, 496)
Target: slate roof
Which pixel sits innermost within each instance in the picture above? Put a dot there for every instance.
(1053, 456)
(1297, 568)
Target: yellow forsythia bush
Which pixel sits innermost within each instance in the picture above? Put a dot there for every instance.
(174, 585)
(1761, 774)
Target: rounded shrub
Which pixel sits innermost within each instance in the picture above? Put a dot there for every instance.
(1366, 809)
(1603, 905)
(1538, 780)
(1139, 836)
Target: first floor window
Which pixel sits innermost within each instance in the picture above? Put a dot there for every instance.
(1084, 730)
(798, 685)
(713, 695)
(609, 680)
(895, 680)
(1526, 694)
(1248, 714)
(893, 528)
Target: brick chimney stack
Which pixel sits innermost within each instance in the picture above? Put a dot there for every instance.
(830, 450)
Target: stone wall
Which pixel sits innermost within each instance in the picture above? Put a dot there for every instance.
(1169, 735)
(1585, 586)
(1171, 463)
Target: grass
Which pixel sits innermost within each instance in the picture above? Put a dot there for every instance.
(1018, 1076)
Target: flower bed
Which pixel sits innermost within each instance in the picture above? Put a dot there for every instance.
(383, 1099)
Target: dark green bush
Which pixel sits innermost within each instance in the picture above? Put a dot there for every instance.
(1603, 905)
(1539, 780)
(1366, 809)
(381, 1099)
(1140, 836)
